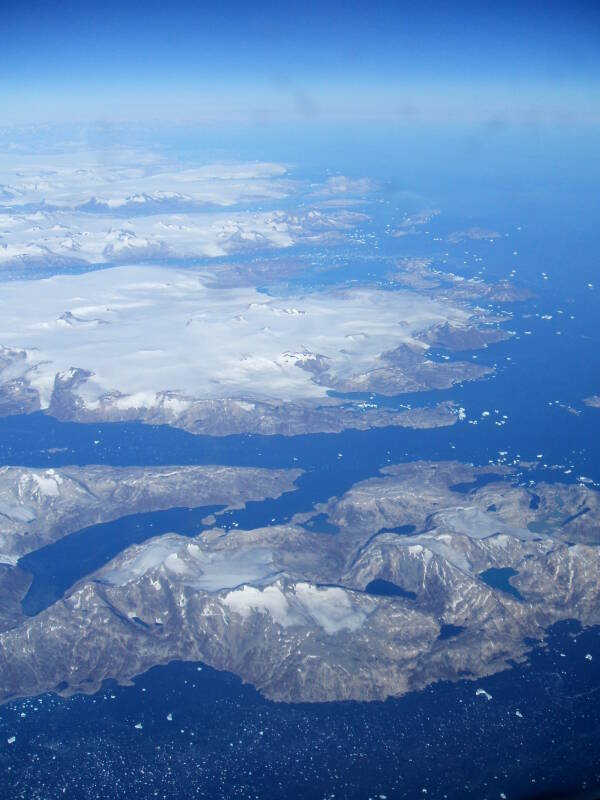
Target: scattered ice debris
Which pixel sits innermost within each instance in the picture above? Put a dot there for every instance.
(11, 739)
(485, 413)
(482, 692)
(462, 413)
(139, 726)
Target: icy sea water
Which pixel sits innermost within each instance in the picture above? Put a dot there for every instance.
(184, 730)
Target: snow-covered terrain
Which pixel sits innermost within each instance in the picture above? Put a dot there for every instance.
(142, 331)
(81, 209)
(94, 180)
(45, 239)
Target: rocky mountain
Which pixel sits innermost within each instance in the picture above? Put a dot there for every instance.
(38, 506)
(430, 571)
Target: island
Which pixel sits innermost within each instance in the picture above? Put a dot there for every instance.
(428, 571)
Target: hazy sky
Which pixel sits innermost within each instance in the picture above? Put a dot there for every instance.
(67, 61)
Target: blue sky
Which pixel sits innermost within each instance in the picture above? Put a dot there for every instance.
(66, 61)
